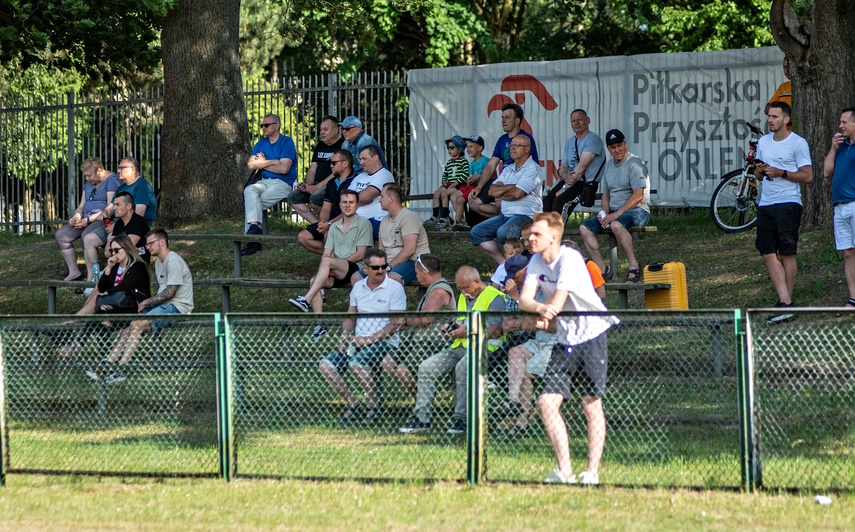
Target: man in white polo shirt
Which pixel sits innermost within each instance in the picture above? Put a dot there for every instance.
(370, 342)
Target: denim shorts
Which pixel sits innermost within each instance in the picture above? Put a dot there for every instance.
(367, 358)
(163, 308)
(636, 217)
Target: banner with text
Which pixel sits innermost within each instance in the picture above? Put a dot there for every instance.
(683, 113)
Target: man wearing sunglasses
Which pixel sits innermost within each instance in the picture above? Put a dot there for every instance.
(276, 157)
(367, 342)
(356, 140)
(312, 237)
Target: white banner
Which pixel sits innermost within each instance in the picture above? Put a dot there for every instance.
(682, 113)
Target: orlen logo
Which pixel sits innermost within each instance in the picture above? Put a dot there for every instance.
(520, 84)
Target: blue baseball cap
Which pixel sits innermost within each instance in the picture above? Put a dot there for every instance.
(351, 121)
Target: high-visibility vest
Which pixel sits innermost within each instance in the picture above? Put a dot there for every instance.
(482, 303)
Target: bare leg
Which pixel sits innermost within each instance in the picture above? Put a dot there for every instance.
(790, 270)
(624, 238)
(437, 197)
(517, 358)
(305, 239)
(400, 372)
(128, 341)
(366, 379)
(549, 406)
(89, 305)
(592, 246)
(337, 382)
(778, 276)
(91, 243)
(492, 250)
(330, 266)
(70, 258)
(459, 206)
(593, 407)
(849, 270)
(305, 211)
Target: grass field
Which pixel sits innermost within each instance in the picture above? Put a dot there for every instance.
(671, 424)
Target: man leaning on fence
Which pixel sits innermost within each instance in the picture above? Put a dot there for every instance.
(474, 295)
(580, 357)
(274, 157)
(174, 295)
(839, 165)
(369, 342)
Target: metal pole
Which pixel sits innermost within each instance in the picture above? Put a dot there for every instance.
(69, 116)
(225, 406)
(749, 457)
(332, 99)
(475, 369)
(4, 427)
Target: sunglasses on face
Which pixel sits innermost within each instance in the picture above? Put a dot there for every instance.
(376, 267)
(115, 250)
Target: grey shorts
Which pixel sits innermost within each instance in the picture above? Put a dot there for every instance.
(581, 367)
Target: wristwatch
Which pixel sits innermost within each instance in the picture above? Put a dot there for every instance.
(784, 174)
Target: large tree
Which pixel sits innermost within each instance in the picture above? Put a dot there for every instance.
(819, 38)
(205, 141)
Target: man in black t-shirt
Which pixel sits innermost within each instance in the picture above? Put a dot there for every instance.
(312, 238)
(129, 223)
(307, 200)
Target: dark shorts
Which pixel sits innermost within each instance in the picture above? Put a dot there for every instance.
(313, 230)
(583, 369)
(778, 228)
(352, 268)
(485, 196)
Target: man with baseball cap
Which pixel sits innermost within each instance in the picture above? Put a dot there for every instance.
(625, 204)
(356, 140)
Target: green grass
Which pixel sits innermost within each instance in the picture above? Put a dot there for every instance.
(34, 502)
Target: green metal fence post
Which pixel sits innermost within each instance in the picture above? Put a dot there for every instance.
(749, 464)
(225, 410)
(4, 427)
(475, 369)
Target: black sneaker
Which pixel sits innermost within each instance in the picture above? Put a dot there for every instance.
(415, 425)
(778, 318)
(250, 249)
(458, 427)
(300, 302)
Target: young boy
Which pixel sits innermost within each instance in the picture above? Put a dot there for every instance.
(455, 175)
(474, 147)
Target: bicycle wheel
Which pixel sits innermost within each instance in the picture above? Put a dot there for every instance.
(733, 206)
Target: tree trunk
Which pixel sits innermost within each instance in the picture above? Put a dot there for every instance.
(205, 138)
(820, 46)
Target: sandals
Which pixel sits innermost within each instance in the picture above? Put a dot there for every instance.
(633, 276)
(607, 272)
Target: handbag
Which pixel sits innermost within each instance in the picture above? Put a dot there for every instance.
(121, 299)
(254, 177)
(588, 196)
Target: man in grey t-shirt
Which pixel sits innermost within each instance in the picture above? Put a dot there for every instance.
(582, 161)
(625, 204)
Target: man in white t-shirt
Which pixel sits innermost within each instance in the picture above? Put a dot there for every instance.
(368, 343)
(369, 184)
(783, 163)
(580, 356)
(174, 295)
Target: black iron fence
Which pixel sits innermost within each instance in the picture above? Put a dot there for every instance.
(711, 399)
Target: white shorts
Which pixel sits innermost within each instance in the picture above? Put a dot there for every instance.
(541, 350)
(844, 225)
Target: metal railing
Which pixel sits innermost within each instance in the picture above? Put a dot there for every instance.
(43, 139)
(693, 399)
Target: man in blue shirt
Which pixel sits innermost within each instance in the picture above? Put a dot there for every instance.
(840, 166)
(276, 157)
(356, 140)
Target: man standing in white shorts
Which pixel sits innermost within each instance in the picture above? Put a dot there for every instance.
(580, 356)
(840, 167)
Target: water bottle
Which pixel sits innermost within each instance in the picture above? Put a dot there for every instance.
(96, 270)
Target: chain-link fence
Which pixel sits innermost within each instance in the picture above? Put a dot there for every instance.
(70, 409)
(283, 395)
(669, 405)
(804, 399)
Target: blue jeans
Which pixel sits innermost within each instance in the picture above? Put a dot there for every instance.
(367, 358)
(500, 227)
(163, 308)
(636, 217)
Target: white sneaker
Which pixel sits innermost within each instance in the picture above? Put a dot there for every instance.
(589, 479)
(300, 302)
(557, 478)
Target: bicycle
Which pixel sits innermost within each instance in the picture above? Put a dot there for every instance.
(733, 206)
